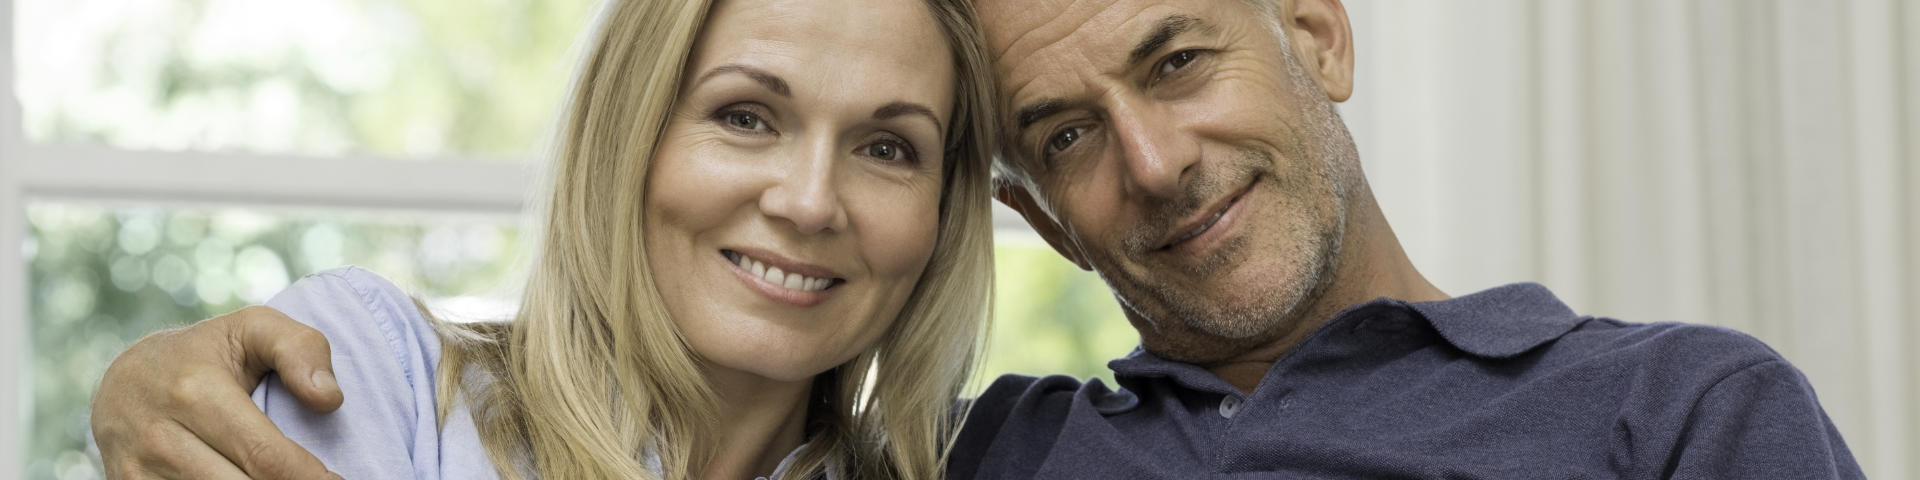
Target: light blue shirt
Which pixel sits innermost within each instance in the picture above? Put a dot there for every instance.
(384, 358)
(384, 355)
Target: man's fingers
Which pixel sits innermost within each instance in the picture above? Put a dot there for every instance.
(269, 340)
(195, 460)
(234, 427)
(177, 454)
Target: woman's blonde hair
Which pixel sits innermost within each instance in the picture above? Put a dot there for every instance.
(592, 379)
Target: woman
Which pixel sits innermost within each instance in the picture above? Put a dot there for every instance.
(767, 253)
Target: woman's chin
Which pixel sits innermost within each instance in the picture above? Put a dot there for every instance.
(768, 354)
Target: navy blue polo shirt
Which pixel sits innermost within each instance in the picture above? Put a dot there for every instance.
(1505, 383)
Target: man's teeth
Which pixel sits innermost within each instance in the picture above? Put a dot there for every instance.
(792, 281)
(1202, 228)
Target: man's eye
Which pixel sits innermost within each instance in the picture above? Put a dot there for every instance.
(1177, 61)
(1062, 140)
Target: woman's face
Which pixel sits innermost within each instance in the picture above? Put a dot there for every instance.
(794, 200)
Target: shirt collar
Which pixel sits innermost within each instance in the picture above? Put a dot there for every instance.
(1501, 322)
(1497, 323)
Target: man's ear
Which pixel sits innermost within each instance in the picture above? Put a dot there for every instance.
(1323, 43)
(1020, 200)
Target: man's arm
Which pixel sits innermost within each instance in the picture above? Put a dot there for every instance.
(1762, 422)
(177, 403)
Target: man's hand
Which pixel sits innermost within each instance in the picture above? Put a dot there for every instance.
(178, 403)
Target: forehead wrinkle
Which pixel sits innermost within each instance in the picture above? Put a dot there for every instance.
(998, 49)
(1104, 54)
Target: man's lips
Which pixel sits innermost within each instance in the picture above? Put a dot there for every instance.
(1205, 220)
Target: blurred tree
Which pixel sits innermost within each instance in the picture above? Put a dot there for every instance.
(102, 278)
(1050, 317)
(392, 77)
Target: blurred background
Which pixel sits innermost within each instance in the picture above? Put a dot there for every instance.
(1739, 163)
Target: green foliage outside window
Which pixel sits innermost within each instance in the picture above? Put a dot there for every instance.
(101, 278)
(389, 77)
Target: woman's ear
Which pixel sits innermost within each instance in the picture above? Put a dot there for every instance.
(1021, 200)
(1322, 42)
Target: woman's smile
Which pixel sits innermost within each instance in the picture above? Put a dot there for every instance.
(782, 279)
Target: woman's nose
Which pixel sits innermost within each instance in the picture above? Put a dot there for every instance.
(807, 195)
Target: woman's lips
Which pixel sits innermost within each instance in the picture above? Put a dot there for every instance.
(781, 279)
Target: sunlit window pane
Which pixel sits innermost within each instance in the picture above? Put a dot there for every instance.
(389, 77)
(102, 277)
(1049, 316)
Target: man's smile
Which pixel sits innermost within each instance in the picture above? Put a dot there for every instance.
(1199, 232)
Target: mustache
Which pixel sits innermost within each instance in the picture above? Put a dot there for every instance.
(1200, 192)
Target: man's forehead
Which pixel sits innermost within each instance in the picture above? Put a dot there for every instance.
(1016, 29)
(1043, 45)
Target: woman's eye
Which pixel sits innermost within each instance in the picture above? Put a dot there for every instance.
(888, 151)
(740, 120)
(1062, 140)
(1178, 61)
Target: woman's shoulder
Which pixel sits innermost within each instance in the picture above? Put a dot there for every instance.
(385, 354)
(350, 300)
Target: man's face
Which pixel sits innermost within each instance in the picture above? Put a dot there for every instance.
(1179, 150)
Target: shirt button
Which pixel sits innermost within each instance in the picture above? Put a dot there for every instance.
(1229, 406)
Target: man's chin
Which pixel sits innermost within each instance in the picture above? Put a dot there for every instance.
(1203, 349)
(1213, 336)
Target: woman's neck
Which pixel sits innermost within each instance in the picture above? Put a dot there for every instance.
(761, 421)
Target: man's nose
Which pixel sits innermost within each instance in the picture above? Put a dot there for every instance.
(1155, 152)
(806, 194)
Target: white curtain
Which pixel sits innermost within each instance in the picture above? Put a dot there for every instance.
(1745, 163)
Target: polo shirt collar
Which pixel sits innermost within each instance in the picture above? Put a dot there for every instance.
(1501, 322)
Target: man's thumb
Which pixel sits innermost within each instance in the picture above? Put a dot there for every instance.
(272, 341)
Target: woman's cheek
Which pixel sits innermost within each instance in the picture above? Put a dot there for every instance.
(901, 242)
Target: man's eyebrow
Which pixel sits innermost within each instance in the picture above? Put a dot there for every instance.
(770, 81)
(896, 109)
(1162, 33)
(1169, 27)
(1033, 113)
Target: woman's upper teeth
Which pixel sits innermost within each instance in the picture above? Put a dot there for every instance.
(792, 281)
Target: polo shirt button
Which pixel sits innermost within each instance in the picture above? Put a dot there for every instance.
(1229, 406)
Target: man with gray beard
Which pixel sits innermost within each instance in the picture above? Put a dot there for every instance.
(1189, 153)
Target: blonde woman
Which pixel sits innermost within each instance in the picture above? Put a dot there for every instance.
(766, 254)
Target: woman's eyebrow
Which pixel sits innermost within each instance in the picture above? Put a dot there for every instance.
(896, 109)
(766, 79)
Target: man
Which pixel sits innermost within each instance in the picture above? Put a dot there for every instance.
(1188, 151)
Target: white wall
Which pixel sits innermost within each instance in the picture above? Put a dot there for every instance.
(1746, 163)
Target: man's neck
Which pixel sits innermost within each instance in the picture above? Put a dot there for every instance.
(1372, 264)
(761, 422)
